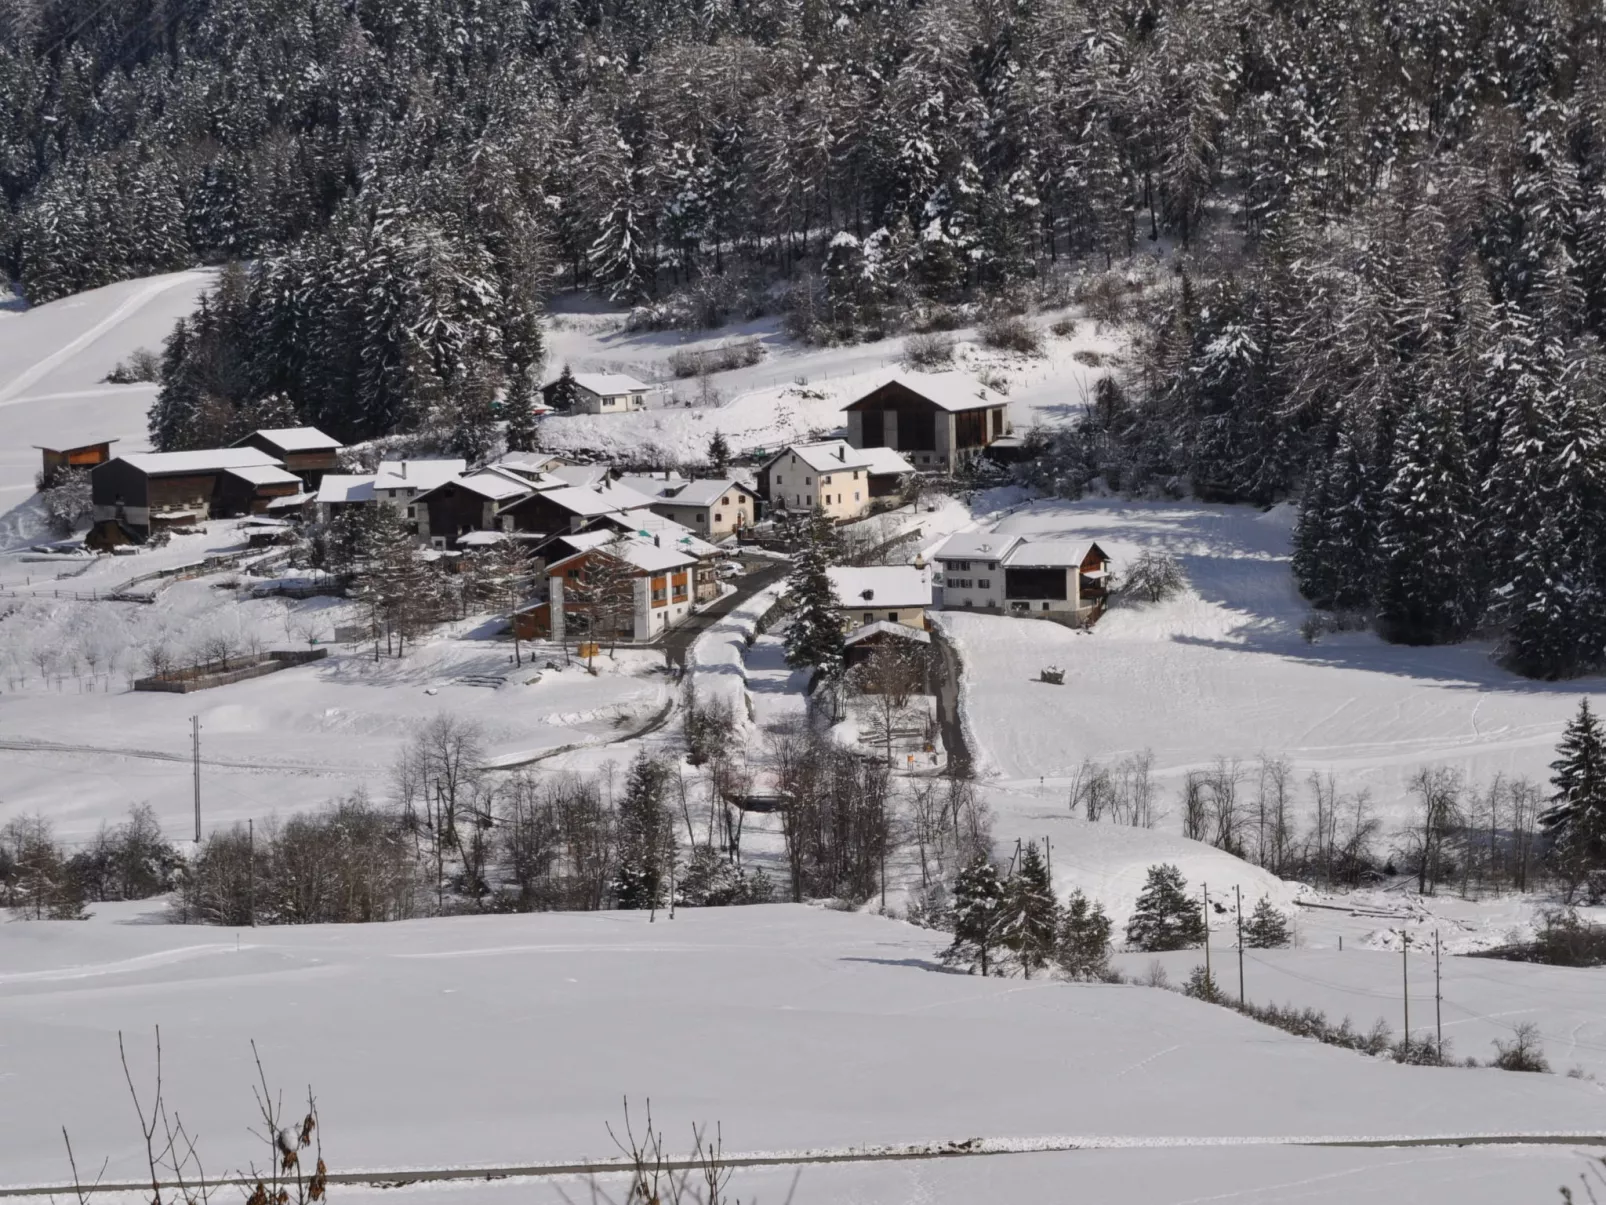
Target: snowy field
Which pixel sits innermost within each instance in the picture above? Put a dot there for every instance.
(1222, 671)
(505, 1040)
(53, 363)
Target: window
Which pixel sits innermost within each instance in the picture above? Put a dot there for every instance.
(808, 481)
(1045, 606)
(893, 616)
(869, 617)
(725, 501)
(700, 518)
(984, 583)
(410, 511)
(855, 474)
(855, 495)
(658, 594)
(925, 458)
(992, 564)
(965, 602)
(826, 480)
(719, 517)
(959, 564)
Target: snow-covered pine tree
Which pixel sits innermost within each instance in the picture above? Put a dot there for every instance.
(1030, 919)
(564, 393)
(1083, 949)
(523, 431)
(814, 633)
(621, 254)
(719, 453)
(1266, 928)
(1576, 820)
(977, 913)
(644, 837)
(1425, 549)
(1166, 916)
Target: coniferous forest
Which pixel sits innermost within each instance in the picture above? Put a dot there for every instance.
(1383, 224)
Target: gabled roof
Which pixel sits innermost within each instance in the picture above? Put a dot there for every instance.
(702, 493)
(527, 463)
(417, 474)
(622, 496)
(290, 501)
(646, 525)
(951, 391)
(649, 558)
(480, 539)
(296, 439)
(976, 546)
(264, 474)
(341, 487)
(901, 631)
(488, 483)
(880, 586)
(609, 383)
(585, 475)
(885, 462)
(202, 460)
(653, 485)
(828, 455)
(575, 500)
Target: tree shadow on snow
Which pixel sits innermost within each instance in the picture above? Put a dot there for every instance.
(920, 964)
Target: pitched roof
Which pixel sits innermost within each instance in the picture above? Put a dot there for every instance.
(527, 463)
(951, 391)
(646, 525)
(578, 501)
(880, 586)
(609, 383)
(264, 474)
(586, 475)
(649, 558)
(829, 455)
(901, 631)
(622, 496)
(702, 493)
(290, 501)
(296, 439)
(202, 460)
(489, 483)
(1046, 554)
(341, 487)
(976, 545)
(653, 485)
(416, 474)
(885, 461)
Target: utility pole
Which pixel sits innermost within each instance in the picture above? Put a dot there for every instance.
(1206, 889)
(251, 863)
(195, 753)
(1238, 894)
(1438, 998)
(1405, 983)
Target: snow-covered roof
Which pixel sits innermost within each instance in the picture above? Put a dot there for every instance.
(703, 493)
(976, 546)
(829, 455)
(580, 501)
(880, 586)
(290, 501)
(900, 630)
(883, 461)
(645, 525)
(951, 391)
(1046, 554)
(654, 485)
(647, 557)
(587, 475)
(202, 460)
(480, 539)
(608, 384)
(489, 483)
(264, 474)
(528, 463)
(297, 439)
(622, 496)
(341, 487)
(417, 474)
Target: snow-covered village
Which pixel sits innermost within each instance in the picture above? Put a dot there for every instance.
(683, 603)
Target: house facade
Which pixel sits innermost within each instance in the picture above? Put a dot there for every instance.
(938, 421)
(831, 476)
(465, 504)
(624, 589)
(305, 451)
(1066, 581)
(133, 495)
(604, 393)
(714, 509)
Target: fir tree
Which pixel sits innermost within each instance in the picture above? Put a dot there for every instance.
(1266, 928)
(523, 431)
(978, 911)
(1576, 820)
(1166, 916)
(814, 635)
(719, 453)
(1029, 922)
(645, 837)
(1083, 951)
(565, 393)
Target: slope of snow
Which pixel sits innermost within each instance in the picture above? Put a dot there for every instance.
(1222, 671)
(53, 361)
(495, 1040)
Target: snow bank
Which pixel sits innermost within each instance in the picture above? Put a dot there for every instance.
(717, 661)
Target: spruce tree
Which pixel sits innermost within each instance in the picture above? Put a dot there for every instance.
(565, 393)
(978, 911)
(1030, 917)
(1266, 928)
(1576, 820)
(814, 636)
(1166, 916)
(644, 839)
(523, 432)
(1083, 951)
(719, 453)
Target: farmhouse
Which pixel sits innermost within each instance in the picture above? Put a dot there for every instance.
(533, 465)
(134, 494)
(1049, 579)
(567, 508)
(305, 451)
(832, 476)
(465, 504)
(897, 594)
(938, 420)
(603, 393)
(620, 588)
(59, 460)
(716, 508)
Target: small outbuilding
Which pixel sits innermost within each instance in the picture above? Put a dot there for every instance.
(59, 460)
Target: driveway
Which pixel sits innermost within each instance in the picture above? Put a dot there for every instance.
(680, 638)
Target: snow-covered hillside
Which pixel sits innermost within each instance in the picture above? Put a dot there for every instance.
(1222, 671)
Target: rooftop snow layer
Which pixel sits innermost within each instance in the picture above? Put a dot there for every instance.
(975, 546)
(951, 391)
(702, 493)
(264, 474)
(341, 487)
(901, 630)
(881, 586)
(830, 455)
(609, 383)
(202, 460)
(296, 439)
(883, 461)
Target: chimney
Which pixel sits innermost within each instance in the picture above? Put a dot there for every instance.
(657, 541)
(842, 453)
(404, 470)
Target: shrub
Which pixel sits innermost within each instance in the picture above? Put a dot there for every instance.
(1524, 1052)
(143, 365)
(1064, 327)
(1201, 985)
(928, 351)
(1011, 332)
(1154, 577)
(742, 353)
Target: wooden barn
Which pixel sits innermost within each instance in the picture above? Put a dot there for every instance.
(938, 421)
(305, 451)
(59, 460)
(143, 491)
